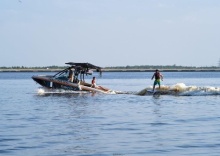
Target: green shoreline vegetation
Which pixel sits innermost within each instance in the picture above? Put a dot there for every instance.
(115, 68)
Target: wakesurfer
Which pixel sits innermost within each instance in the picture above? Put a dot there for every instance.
(158, 76)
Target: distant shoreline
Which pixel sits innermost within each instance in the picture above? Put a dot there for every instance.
(115, 70)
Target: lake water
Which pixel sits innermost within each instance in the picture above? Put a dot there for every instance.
(59, 123)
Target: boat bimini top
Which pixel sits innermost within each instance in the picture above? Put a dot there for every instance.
(78, 69)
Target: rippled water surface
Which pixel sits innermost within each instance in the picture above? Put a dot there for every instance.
(86, 124)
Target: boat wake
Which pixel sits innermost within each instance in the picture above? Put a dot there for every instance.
(43, 91)
(180, 89)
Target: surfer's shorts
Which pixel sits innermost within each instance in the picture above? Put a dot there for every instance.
(157, 82)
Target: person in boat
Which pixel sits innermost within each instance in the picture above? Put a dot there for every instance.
(158, 76)
(93, 82)
(97, 87)
(70, 77)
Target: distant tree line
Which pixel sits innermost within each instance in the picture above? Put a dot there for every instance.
(121, 67)
(161, 67)
(23, 67)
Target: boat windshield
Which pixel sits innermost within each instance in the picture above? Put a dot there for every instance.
(63, 76)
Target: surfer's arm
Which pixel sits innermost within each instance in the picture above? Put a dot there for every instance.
(152, 77)
(161, 76)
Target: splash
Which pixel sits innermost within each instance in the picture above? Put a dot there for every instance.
(40, 91)
(181, 89)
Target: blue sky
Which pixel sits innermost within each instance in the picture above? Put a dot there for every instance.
(110, 32)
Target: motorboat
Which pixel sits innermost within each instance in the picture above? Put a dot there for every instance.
(72, 78)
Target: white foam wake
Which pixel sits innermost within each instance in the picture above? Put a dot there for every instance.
(183, 90)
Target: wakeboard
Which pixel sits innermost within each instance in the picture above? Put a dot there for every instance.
(155, 92)
(151, 91)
